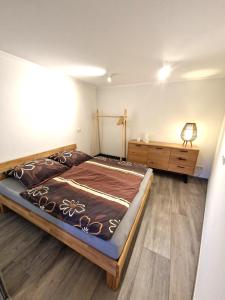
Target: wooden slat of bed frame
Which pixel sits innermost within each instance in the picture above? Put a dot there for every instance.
(12, 163)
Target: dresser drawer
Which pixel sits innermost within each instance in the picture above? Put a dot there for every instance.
(140, 159)
(190, 155)
(157, 164)
(159, 150)
(137, 148)
(180, 168)
(184, 161)
(158, 157)
(159, 154)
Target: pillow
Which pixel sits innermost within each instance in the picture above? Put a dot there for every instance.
(35, 172)
(70, 158)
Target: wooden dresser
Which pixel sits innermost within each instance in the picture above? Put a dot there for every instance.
(164, 156)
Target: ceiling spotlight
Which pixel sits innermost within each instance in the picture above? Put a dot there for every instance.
(164, 72)
(109, 78)
(86, 71)
(200, 74)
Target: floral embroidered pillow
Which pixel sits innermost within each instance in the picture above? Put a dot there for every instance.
(71, 158)
(37, 171)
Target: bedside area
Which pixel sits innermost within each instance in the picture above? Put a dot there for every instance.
(164, 156)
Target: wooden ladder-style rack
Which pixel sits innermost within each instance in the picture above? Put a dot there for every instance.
(122, 121)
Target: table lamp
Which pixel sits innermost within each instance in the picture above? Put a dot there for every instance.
(189, 133)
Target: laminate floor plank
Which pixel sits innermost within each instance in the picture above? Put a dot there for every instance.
(157, 237)
(7, 233)
(31, 264)
(103, 292)
(152, 277)
(130, 274)
(6, 219)
(65, 279)
(59, 278)
(182, 193)
(184, 258)
(195, 214)
(163, 262)
(11, 248)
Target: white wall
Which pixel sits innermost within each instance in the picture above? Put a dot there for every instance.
(162, 110)
(40, 109)
(210, 281)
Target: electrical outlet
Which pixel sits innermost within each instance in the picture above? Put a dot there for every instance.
(78, 130)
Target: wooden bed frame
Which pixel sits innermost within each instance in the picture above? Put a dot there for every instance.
(112, 267)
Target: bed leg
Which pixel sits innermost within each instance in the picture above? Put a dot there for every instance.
(112, 281)
(3, 209)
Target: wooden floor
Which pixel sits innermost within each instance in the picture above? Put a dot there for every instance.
(162, 266)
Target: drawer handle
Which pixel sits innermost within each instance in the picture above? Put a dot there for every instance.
(180, 167)
(137, 145)
(158, 148)
(185, 151)
(181, 158)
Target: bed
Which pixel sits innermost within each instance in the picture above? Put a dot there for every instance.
(110, 253)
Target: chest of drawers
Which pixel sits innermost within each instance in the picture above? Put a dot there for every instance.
(164, 156)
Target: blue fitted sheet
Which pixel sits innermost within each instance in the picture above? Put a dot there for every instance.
(12, 188)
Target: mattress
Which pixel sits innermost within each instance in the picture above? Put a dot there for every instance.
(12, 188)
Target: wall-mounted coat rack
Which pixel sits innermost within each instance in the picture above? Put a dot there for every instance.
(121, 121)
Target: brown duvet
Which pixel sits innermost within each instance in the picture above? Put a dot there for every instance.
(93, 196)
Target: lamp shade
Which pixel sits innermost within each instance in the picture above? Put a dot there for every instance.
(189, 133)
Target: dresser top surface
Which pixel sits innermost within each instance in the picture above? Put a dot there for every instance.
(163, 144)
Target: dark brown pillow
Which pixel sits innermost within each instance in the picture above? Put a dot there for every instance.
(70, 158)
(37, 171)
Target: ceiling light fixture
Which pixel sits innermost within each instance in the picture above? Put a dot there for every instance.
(87, 71)
(200, 74)
(109, 78)
(164, 72)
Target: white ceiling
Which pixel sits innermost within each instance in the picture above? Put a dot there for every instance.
(131, 38)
